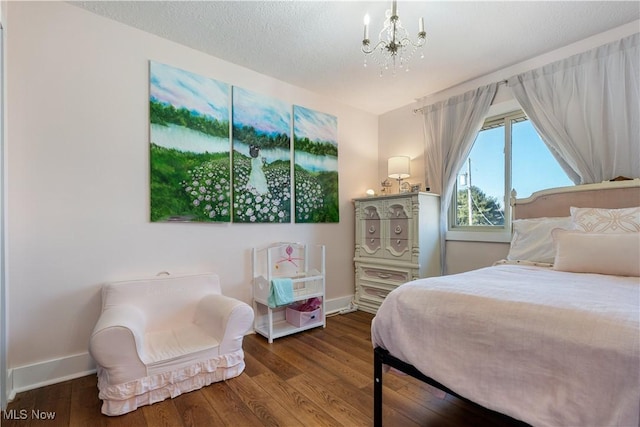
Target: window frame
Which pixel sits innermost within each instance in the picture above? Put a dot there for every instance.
(485, 233)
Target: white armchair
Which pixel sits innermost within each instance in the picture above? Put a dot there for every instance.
(160, 337)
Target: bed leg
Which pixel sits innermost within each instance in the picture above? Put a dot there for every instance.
(377, 388)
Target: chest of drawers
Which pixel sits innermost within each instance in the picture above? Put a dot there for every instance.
(396, 241)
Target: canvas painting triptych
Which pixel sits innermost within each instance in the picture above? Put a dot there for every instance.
(226, 154)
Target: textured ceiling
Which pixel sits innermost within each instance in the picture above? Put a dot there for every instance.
(316, 45)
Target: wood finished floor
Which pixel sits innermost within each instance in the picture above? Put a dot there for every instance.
(321, 377)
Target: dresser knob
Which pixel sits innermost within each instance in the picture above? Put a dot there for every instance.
(372, 229)
(398, 229)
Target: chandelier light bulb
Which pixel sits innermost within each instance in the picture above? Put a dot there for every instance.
(365, 40)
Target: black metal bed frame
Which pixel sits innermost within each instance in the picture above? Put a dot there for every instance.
(383, 357)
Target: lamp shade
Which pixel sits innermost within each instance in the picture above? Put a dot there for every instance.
(398, 167)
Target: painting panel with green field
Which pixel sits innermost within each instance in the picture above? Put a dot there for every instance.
(261, 158)
(189, 146)
(315, 138)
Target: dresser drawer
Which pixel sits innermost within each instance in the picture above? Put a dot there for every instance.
(371, 231)
(373, 292)
(399, 249)
(393, 276)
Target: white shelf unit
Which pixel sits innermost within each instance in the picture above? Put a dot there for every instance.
(305, 266)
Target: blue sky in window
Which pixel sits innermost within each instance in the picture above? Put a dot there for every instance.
(533, 166)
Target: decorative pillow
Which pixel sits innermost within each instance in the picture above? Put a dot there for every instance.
(532, 240)
(602, 253)
(594, 220)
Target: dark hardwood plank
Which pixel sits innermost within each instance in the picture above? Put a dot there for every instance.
(52, 406)
(85, 406)
(195, 410)
(359, 324)
(305, 362)
(349, 343)
(230, 406)
(307, 411)
(162, 414)
(20, 409)
(135, 418)
(336, 326)
(269, 411)
(328, 362)
(339, 409)
(320, 377)
(416, 412)
(253, 367)
(343, 357)
(271, 360)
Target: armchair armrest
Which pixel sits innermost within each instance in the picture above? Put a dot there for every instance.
(226, 319)
(117, 343)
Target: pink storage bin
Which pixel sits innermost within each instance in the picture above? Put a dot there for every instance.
(302, 318)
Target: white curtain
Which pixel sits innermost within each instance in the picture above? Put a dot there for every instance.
(450, 127)
(586, 108)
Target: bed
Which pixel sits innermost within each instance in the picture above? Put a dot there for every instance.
(549, 336)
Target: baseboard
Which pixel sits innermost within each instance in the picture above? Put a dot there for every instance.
(338, 305)
(8, 387)
(29, 377)
(41, 374)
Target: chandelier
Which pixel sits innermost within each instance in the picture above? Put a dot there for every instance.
(394, 48)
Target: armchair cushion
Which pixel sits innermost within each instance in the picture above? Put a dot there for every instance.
(160, 337)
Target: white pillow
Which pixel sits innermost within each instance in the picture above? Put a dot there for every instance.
(532, 240)
(603, 253)
(594, 220)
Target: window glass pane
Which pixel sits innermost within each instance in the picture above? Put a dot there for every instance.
(533, 167)
(482, 177)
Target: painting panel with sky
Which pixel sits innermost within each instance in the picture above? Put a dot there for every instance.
(261, 158)
(315, 136)
(190, 146)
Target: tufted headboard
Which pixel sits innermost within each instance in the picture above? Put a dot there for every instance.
(555, 202)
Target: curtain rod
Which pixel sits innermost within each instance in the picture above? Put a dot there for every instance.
(419, 110)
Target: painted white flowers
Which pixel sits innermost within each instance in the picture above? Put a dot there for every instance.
(209, 183)
(209, 189)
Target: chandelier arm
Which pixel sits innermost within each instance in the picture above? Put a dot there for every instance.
(373, 49)
(407, 41)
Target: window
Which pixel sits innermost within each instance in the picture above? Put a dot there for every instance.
(507, 153)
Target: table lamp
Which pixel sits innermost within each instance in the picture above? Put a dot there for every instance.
(398, 168)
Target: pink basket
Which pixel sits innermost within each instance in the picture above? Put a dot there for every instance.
(302, 318)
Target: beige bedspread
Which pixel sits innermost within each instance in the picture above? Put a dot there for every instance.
(547, 347)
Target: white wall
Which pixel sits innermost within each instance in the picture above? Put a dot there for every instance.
(401, 134)
(78, 182)
(3, 313)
